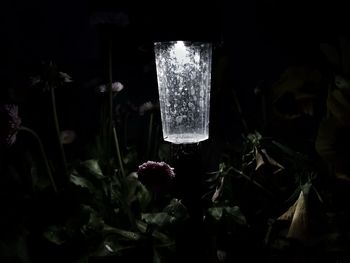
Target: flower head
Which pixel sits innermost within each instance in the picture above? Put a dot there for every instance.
(116, 87)
(156, 176)
(147, 106)
(67, 136)
(9, 124)
(50, 77)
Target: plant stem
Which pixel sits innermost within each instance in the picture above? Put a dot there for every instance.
(57, 128)
(110, 91)
(48, 170)
(149, 139)
(267, 192)
(120, 161)
(110, 97)
(240, 112)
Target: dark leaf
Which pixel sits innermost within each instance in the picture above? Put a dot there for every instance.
(165, 240)
(95, 223)
(130, 157)
(235, 214)
(112, 245)
(144, 197)
(216, 212)
(159, 219)
(123, 233)
(93, 168)
(156, 257)
(263, 158)
(77, 180)
(212, 177)
(339, 105)
(176, 209)
(55, 234)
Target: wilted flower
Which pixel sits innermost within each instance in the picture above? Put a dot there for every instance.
(50, 77)
(67, 136)
(9, 124)
(147, 106)
(65, 77)
(116, 87)
(118, 19)
(156, 176)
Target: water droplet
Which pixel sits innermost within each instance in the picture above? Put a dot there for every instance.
(178, 119)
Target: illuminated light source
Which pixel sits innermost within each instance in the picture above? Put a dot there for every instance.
(184, 78)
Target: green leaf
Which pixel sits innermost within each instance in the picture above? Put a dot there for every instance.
(95, 223)
(216, 212)
(77, 180)
(156, 257)
(124, 233)
(212, 177)
(142, 226)
(143, 196)
(176, 209)
(93, 168)
(166, 241)
(232, 213)
(130, 157)
(55, 234)
(113, 245)
(159, 219)
(83, 259)
(235, 214)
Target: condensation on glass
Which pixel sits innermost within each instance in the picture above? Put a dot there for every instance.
(184, 78)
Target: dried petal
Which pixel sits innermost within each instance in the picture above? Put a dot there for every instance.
(299, 227)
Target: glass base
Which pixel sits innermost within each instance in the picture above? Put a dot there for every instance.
(185, 138)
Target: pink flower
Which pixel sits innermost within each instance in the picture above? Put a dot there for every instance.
(156, 176)
(9, 124)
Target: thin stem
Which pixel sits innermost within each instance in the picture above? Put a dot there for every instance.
(57, 128)
(156, 142)
(120, 161)
(149, 139)
(110, 91)
(267, 192)
(48, 170)
(240, 112)
(131, 216)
